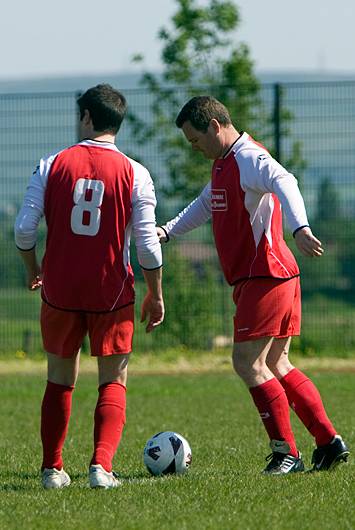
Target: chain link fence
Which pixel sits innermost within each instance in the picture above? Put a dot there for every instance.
(309, 127)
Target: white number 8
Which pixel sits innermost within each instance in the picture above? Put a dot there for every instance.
(88, 195)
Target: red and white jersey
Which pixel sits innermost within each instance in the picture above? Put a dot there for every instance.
(244, 199)
(93, 197)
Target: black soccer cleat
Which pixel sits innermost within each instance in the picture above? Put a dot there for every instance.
(327, 457)
(281, 462)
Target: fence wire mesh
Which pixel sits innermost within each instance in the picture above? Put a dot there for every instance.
(309, 127)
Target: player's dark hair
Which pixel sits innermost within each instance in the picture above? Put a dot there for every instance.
(200, 110)
(106, 105)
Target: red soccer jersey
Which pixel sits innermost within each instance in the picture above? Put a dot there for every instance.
(87, 206)
(247, 222)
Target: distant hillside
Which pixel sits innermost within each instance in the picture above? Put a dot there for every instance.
(304, 77)
(68, 84)
(126, 81)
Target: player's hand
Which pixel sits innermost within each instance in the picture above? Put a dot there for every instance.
(34, 280)
(162, 235)
(307, 243)
(154, 309)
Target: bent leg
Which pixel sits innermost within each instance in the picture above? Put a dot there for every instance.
(110, 412)
(249, 360)
(277, 359)
(302, 394)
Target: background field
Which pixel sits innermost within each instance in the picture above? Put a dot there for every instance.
(224, 488)
(327, 325)
(309, 127)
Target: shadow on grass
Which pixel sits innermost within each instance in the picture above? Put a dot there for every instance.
(17, 481)
(132, 477)
(12, 481)
(13, 487)
(129, 476)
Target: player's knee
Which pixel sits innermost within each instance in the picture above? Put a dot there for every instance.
(279, 367)
(62, 379)
(249, 371)
(241, 364)
(113, 369)
(113, 377)
(236, 362)
(64, 376)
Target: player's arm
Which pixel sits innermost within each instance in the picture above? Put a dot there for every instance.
(148, 247)
(33, 269)
(194, 215)
(265, 174)
(307, 243)
(26, 227)
(153, 303)
(286, 188)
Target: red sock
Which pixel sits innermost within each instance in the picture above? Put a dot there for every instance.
(271, 402)
(306, 401)
(56, 408)
(110, 417)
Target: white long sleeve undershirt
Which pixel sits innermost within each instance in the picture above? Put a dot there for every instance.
(142, 224)
(257, 177)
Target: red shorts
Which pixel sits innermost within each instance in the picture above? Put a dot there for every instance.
(267, 307)
(63, 331)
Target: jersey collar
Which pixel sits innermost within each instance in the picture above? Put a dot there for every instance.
(99, 143)
(230, 148)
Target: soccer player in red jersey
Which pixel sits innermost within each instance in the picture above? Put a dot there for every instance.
(93, 198)
(244, 198)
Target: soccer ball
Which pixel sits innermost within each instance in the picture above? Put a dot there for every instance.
(167, 452)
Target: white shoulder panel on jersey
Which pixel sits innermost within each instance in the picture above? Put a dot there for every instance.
(260, 173)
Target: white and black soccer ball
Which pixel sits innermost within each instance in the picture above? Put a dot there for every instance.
(167, 452)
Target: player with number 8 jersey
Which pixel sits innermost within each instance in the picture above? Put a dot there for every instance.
(80, 270)
(93, 198)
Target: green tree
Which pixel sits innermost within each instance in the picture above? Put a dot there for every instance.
(336, 230)
(200, 54)
(12, 272)
(328, 206)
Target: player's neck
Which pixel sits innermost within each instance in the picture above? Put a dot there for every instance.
(230, 137)
(102, 137)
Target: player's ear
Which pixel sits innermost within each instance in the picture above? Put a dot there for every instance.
(215, 126)
(86, 118)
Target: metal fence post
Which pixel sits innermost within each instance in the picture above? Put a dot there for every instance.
(78, 93)
(277, 122)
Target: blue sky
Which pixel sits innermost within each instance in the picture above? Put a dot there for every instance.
(41, 38)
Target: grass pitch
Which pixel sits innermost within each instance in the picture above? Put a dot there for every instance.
(222, 490)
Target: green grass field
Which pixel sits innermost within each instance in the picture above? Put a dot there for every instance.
(223, 489)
